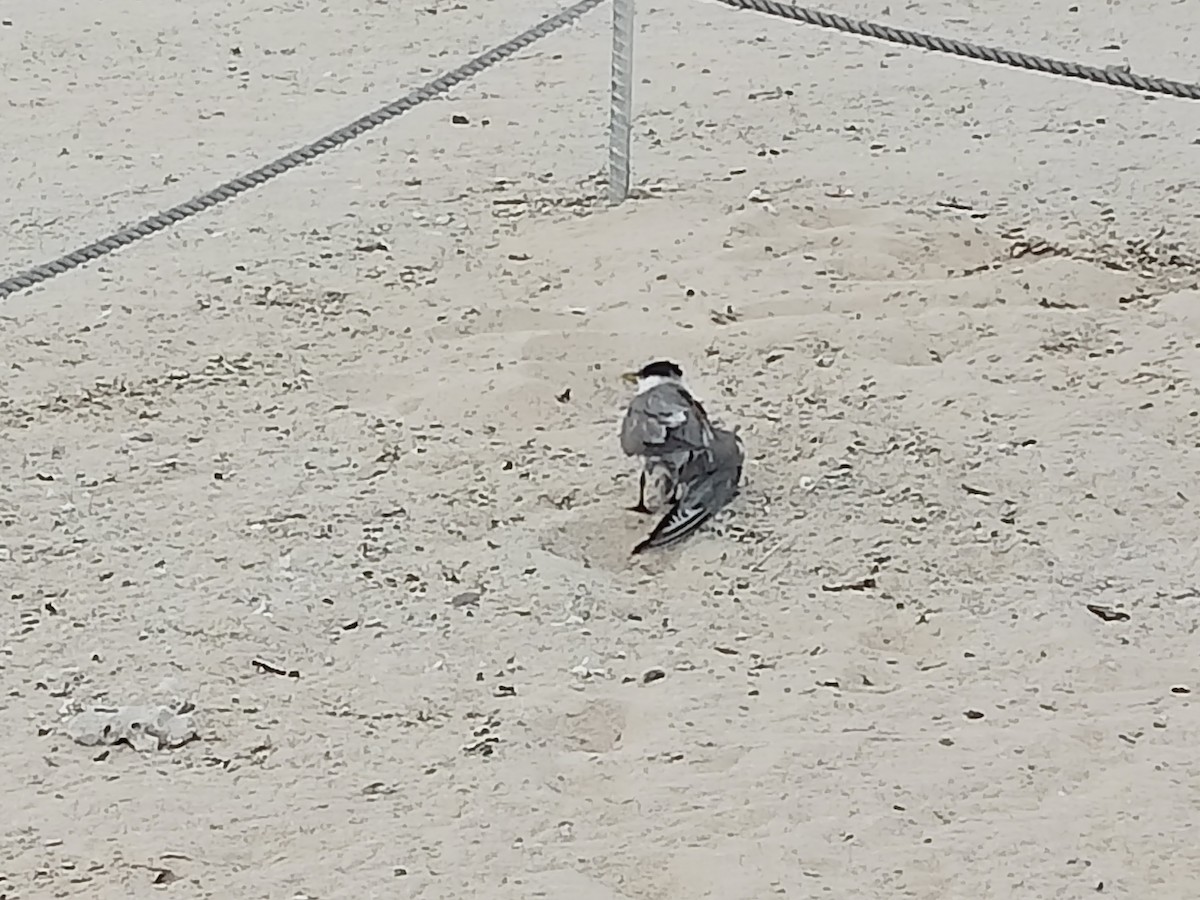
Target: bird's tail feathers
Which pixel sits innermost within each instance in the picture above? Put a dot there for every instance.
(681, 521)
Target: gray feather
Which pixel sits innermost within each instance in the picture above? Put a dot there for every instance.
(664, 421)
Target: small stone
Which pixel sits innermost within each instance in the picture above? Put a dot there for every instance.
(466, 598)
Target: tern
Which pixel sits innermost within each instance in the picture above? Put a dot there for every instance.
(666, 426)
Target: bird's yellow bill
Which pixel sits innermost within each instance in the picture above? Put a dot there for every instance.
(631, 377)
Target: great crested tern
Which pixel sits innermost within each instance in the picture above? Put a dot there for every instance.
(666, 426)
(706, 484)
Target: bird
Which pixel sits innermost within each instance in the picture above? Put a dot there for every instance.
(706, 484)
(666, 426)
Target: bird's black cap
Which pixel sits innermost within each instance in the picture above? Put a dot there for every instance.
(662, 368)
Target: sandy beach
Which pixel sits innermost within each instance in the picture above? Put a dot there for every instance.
(332, 470)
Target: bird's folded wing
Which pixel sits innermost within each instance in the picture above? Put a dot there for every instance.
(702, 500)
(682, 521)
(665, 420)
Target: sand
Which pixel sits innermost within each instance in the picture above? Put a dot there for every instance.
(308, 462)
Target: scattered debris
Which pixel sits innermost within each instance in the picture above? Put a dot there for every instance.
(862, 584)
(372, 247)
(727, 316)
(486, 740)
(955, 203)
(466, 598)
(584, 672)
(1047, 303)
(143, 728)
(264, 666)
(789, 543)
(1036, 247)
(161, 875)
(1108, 613)
(653, 674)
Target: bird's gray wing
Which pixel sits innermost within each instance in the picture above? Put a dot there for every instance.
(665, 420)
(704, 495)
(724, 450)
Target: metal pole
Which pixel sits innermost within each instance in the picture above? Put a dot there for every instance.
(621, 119)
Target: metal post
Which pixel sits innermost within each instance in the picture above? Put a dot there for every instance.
(621, 120)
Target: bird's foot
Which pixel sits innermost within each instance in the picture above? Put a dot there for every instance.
(641, 508)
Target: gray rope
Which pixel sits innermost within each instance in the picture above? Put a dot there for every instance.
(1115, 76)
(232, 188)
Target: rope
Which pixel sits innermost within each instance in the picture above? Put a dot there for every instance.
(1112, 75)
(235, 186)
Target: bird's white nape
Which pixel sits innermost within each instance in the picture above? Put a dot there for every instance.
(650, 382)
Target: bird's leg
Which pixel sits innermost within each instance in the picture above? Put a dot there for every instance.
(641, 504)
